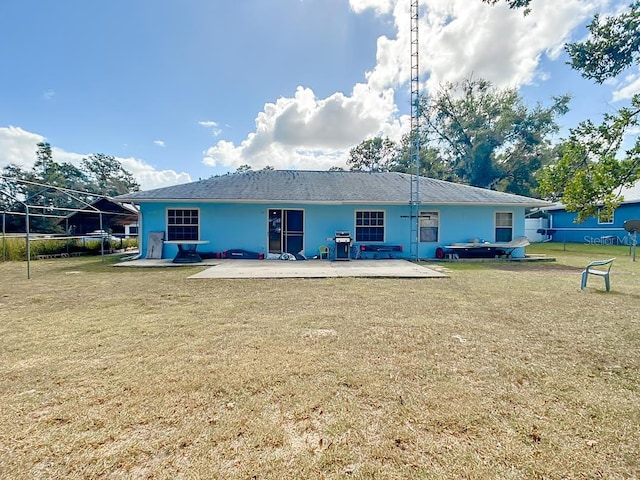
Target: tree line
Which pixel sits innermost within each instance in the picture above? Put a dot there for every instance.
(98, 175)
(474, 133)
(470, 132)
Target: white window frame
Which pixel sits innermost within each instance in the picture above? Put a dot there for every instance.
(426, 215)
(383, 226)
(602, 222)
(169, 237)
(496, 226)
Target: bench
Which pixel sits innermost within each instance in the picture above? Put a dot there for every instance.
(603, 271)
(376, 249)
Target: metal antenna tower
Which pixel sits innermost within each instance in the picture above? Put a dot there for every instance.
(414, 149)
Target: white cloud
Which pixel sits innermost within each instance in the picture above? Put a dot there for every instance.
(381, 7)
(149, 177)
(159, 143)
(18, 147)
(305, 132)
(628, 87)
(215, 128)
(461, 37)
(458, 38)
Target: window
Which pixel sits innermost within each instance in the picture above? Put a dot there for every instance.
(182, 224)
(504, 226)
(605, 217)
(429, 226)
(370, 226)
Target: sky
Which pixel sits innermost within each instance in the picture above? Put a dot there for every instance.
(183, 90)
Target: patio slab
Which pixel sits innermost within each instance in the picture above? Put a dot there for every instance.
(318, 269)
(232, 268)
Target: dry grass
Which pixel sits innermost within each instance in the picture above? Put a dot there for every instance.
(497, 372)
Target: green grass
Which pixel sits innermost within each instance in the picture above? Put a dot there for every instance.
(580, 254)
(503, 370)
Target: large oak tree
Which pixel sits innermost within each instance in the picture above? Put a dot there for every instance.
(488, 137)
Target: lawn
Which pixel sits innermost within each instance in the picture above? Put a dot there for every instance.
(501, 371)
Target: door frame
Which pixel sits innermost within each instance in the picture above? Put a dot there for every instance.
(284, 232)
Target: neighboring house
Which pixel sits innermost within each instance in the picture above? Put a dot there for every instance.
(603, 229)
(116, 217)
(273, 211)
(131, 229)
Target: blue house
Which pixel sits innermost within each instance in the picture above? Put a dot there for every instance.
(599, 230)
(275, 211)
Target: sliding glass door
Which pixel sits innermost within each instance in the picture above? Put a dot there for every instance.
(286, 231)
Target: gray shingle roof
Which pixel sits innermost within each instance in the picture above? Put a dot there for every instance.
(303, 186)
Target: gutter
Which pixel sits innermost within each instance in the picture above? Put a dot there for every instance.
(539, 204)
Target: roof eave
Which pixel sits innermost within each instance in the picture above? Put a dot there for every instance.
(335, 202)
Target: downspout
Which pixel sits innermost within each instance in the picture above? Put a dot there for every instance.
(140, 223)
(26, 226)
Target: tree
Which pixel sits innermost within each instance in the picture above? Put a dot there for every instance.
(431, 163)
(107, 176)
(99, 175)
(600, 167)
(513, 4)
(613, 45)
(590, 173)
(245, 167)
(374, 155)
(594, 167)
(10, 191)
(44, 158)
(10, 188)
(488, 137)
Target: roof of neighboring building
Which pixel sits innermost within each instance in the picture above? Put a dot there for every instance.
(105, 205)
(304, 186)
(630, 195)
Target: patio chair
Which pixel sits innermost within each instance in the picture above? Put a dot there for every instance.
(601, 272)
(323, 250)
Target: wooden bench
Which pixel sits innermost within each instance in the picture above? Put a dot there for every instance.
(603, 271)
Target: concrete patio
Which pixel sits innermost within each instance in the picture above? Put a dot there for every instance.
(230, 268)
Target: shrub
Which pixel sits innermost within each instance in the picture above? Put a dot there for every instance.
(15, 248)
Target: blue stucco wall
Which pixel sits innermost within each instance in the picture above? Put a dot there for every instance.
(245, 226)
(590, 231)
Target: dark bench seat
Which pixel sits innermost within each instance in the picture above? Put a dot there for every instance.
(376, 250)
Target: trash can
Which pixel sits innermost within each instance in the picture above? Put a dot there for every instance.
(343, 245)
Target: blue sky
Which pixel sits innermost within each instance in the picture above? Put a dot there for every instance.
(184, 90)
